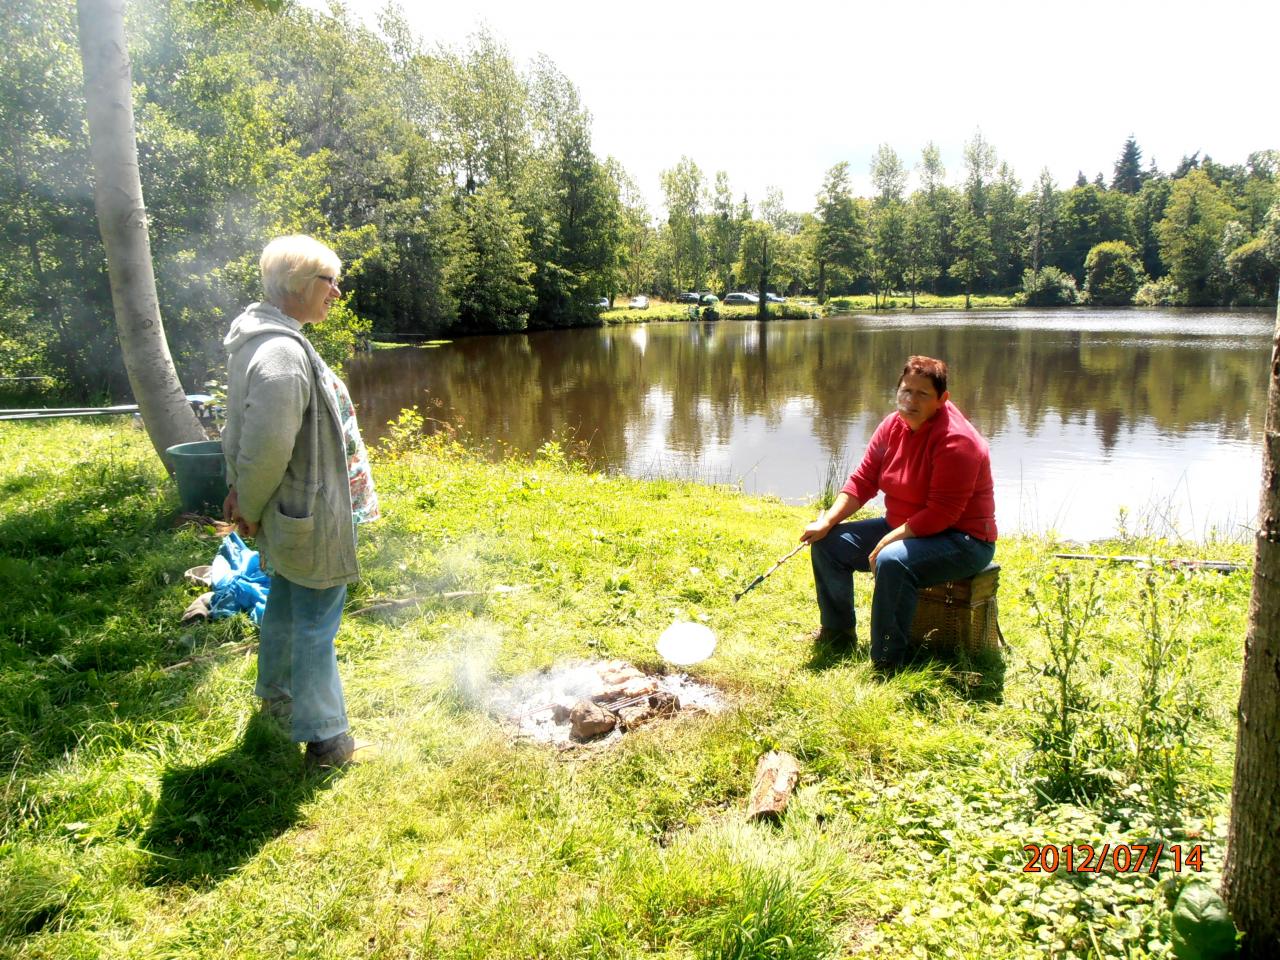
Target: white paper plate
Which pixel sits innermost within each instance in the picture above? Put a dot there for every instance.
(686, 643)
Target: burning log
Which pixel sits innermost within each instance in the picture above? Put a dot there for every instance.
(776, 776)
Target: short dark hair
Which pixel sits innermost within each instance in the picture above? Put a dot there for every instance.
(935, 370)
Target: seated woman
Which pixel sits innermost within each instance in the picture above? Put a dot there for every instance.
(934, 469)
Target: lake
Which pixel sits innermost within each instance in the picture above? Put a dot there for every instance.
(1150, 419)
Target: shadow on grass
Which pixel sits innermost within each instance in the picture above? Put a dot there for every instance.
(211, 818)
(977, 678)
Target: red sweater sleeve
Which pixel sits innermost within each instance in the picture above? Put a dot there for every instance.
(864, 483)
(956, 462)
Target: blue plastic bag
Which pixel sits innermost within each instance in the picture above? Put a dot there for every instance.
(238, 580)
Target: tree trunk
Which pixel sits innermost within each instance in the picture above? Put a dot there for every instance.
(1251, 876)
(822, 282)
(122, 220)
(762, 306)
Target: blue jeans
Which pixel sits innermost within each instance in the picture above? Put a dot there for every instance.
(296, 659)
(902, 568)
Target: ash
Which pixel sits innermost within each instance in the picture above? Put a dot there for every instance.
(546, 706)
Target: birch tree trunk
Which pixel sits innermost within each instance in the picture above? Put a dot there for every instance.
(1251, 877)
(122, 220)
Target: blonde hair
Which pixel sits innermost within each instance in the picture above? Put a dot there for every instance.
(289, 263)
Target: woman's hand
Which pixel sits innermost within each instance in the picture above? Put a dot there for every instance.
(231, 514)
(816, 530)
(893, 536)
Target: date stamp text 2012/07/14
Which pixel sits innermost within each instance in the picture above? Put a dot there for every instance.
(1119, 857)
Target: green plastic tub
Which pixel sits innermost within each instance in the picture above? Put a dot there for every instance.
(201, 474)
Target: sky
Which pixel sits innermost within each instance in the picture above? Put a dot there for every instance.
(776, 93)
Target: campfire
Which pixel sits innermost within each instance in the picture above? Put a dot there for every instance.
(592, 702)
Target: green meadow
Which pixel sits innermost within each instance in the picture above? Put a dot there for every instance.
(147, 810)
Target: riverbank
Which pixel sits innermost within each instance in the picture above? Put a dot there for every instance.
(148, 813)
(801, 308)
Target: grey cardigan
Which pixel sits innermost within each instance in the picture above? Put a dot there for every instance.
(286, 457)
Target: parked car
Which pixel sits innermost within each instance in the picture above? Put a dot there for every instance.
(602, 303)
(688, 297)
(774, 298)
(740, 299)
(639, 302)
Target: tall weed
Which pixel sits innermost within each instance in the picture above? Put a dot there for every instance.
(1066, 728)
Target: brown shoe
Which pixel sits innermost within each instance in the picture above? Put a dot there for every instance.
(340, 751)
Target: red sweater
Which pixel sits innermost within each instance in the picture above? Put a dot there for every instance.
(938, 478)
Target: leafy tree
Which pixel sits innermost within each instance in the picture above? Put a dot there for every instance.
(888, 175)
(839, 238)
(1191, 233)
(1145, 212)
(759, 254)
(1112, 274)
(1042, 221)
(888, 260)
(1006, 229)
(684, 190)
(920, 262)
(1128, 174)
(489, 271)
(1048, 287)
(480, 105)
(724, 234)
(973, 246)
(941, 203)
(1088, 216)
(54, 295)
(636, 238)
(1254, 271)
(979, 166)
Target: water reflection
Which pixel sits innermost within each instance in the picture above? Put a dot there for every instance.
(1087, 411)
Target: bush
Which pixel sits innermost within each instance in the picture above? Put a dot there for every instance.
(1050, 287)
(1160, 293)
(1254, 271)
(1112, 274)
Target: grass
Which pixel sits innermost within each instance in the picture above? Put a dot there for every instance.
(863, 302)
(148, 812)
(662, 310)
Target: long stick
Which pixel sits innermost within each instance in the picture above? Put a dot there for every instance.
(764, 576)
(1222, 566)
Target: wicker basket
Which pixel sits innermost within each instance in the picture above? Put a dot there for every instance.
(959, 615)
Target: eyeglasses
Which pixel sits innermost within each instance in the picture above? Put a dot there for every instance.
(332, 281)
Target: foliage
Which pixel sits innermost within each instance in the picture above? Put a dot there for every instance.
(490, 271)
(1112, 274)
(264, 118)
(1254, 271)
(1191, 235)
(1066, 732)
(1202, 928)
(1128, 175)
(1050, 287)
(839, 240)
(1164, 292)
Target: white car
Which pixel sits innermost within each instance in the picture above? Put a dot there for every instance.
(639, 302)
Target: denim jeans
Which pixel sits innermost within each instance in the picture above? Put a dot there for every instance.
(296, 658)
(902, 568)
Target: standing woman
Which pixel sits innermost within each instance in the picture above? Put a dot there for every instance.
(300, 482)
